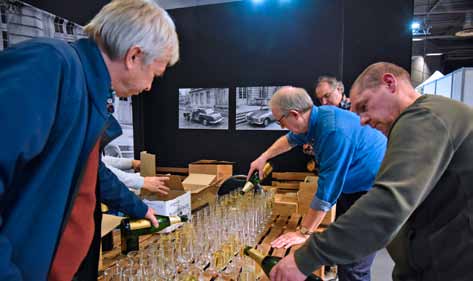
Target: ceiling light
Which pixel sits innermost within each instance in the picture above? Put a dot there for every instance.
(467, 30)
(415, 25)
(433, 54)
(417, 39)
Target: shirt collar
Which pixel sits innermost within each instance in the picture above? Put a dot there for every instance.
(98, 79)
(313, 118)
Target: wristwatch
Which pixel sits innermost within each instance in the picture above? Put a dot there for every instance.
(305, 231)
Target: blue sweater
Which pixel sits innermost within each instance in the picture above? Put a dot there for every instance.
(348, 154)
(52, 113)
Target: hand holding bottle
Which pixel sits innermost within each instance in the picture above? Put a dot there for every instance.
(272, 266)
(288, 239)
(287, 270)
(254, 180)
(257, 165)
(150, 215)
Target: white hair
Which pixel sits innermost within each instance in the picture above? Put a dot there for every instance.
(291, 98)
(122, 24)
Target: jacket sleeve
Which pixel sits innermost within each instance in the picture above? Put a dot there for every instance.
(131, 180)
(118, 162)
(411, 168)
(27, 112)
(117, 196)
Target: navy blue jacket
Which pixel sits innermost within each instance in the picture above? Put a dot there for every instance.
(52, 113)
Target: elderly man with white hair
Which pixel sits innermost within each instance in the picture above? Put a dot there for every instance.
(56, 107)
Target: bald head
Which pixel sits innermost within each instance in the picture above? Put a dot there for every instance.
(291, 98)
(372, 76)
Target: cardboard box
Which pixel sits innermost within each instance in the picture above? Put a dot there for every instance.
(176, 203)
(198, 182)
(285, 204)
(222, 169)
(148, 164)
(307, 190)
(203, 188)
(109, 222)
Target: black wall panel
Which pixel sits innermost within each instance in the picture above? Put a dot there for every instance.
(375, 31)
(240, 44)
(269, 44)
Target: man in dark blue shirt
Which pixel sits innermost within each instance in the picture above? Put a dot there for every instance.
(349, 157)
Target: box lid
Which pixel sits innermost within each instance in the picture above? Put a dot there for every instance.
(109, 222)
(198, 182)
(210, 161)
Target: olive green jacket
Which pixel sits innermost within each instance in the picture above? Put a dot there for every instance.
(421, 204)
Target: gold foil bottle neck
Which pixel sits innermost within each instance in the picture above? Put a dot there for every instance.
(248, 186)
(140, 224)
(174, 219)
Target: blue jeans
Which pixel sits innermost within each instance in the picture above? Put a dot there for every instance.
(360, 270)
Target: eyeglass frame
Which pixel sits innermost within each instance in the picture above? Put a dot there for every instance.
(285, 115)
(282, 117)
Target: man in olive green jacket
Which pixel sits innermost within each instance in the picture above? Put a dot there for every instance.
(421, 204)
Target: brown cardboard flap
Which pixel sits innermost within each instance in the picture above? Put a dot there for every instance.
(109, 222)
(222, 169)
(198, 182)
(148, 164)
(207, 161)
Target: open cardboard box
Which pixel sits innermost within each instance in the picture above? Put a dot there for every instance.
(222, 169)
(176, 202)
(307, 190)
(109, 222)
(194, 192)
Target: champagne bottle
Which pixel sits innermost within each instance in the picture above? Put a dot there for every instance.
(255, 180)
(130, 230)
(268, 262)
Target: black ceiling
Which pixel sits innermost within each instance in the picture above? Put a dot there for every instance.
(441, 19)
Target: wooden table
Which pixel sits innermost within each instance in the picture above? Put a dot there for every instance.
(278, 225)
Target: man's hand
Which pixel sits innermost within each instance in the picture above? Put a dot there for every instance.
(136, 165)
(156, 184)
(150, 216)
(286, 270)
(288, 239)
(258, 164)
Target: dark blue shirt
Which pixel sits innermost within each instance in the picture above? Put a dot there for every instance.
(349, 155)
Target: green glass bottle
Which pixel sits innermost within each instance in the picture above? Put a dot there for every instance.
(255, 180)
(130, 230)
(268, 262)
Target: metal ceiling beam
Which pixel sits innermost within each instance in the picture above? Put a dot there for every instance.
(443, 12)
(433, 7)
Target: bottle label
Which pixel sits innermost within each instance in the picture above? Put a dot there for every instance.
(140, 224)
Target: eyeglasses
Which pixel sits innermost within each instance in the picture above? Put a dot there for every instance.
(279, 120)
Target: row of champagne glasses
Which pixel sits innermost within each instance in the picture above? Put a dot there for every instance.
(207, 245)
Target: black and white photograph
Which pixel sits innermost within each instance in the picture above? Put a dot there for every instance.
(203, 108)
(252, 110)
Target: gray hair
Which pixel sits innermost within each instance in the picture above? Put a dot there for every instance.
(291, 98)
(333, 83)
(122, 24)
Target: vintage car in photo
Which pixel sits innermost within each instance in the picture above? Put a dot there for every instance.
(206, 116)
(263, 116)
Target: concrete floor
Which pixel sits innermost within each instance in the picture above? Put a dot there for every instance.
(382, 267)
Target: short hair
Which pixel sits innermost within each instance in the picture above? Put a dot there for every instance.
(122, 24)
(371, 77)
(332, 82)
(291, 98)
